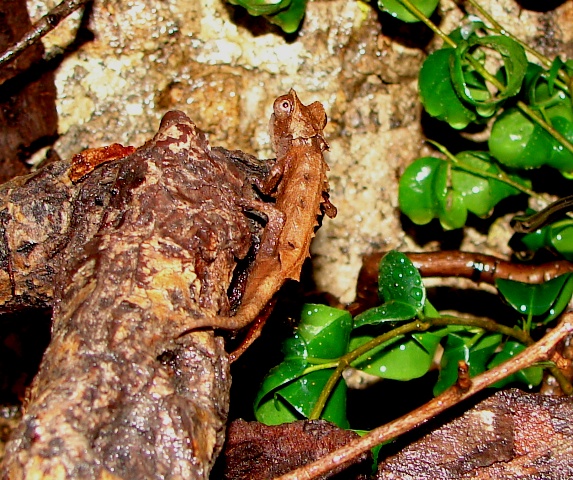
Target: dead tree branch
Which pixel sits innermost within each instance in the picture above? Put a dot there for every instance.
(137, 252)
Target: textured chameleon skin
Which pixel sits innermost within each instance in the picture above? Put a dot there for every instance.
(299, 185)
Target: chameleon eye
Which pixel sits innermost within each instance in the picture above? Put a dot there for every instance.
(283, 106)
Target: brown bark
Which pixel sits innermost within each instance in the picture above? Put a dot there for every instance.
(137, 250)
(510, 435)
(255, 451)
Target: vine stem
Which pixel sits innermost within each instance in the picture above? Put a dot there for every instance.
(346, 360)
(415, 326)
(431, 25)
(538, 352)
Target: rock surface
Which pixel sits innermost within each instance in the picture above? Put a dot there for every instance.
(132, 61)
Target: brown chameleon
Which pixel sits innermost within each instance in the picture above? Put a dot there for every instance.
(299, 185)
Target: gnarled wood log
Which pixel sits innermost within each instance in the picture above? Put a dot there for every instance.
(132, 254)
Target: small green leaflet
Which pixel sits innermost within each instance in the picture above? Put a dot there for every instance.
(546, 299)
(401, 289)
(288, 392)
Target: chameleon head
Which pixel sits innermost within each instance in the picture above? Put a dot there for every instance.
(292, 119)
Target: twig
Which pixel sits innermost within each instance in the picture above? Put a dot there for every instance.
(475, 266)
(43, 26)
(540, 351)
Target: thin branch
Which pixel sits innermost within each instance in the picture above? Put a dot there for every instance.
(539, 352)
(475, 266)
(43, 26)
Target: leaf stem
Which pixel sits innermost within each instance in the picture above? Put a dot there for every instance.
(483, 323)
(431, 25)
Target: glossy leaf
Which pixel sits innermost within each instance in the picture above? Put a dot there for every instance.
(302, 394)
(288, 392)
(475, 92)
(433, 188)
(400, 281)
(549, 298)
(481, 194)
(437, 92)
(325, 330)
(531, 376)
(401, 12)
(388, 312)
(289, 20)
(404, 358)
(287, 14)
(518, 142)
(421, 187)
(558, 236)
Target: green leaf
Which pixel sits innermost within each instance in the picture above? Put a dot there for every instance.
(403, 358)
(325, 330)
(481, 194)
(303, 393)
(518, 142)
(289, 20)
(538, 299)
(475, 93)
(557, 236)
(287, 14)
(289, 392)
(421, 188)
(400, 281)
(530, 376)
(270, 408)
(561, 238)
(392, 311)
(561, 158)
(437, 92)
(401, 12)
(429, 188)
